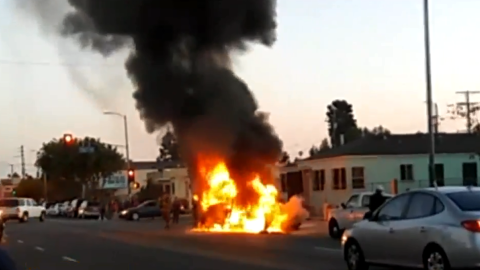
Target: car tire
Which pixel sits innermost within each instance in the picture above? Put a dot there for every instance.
(42, 217)
(433, 257)
(353, 255)
(333, 229)
(24, 217)
(135, 217)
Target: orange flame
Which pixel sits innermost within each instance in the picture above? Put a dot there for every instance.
(222, 191)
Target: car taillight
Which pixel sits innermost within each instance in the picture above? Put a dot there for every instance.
(472, 225)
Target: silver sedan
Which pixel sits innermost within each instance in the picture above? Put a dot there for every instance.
(433, 228)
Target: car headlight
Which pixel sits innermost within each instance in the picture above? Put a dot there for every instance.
(124, 212)
(345, 236)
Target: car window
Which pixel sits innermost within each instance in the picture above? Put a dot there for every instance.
(466, 200)
(393, 209)
(421, 205)
(353, 201)
(33, 203)
(439, 207)
(150, 204)
(366, 200)
(9, 203)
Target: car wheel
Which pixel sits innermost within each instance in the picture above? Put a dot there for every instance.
(135, 217)
(333, 229)
(42, 217)
(354, 256)
(24, 217)
(435, 258)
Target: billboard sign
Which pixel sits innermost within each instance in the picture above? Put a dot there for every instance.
(115, 181)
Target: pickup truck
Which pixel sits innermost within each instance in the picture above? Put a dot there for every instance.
(349, 213)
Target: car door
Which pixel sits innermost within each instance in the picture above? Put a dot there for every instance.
(148, 209)
(377, 235)
(35, 208)
(345, 216)
(413, 230)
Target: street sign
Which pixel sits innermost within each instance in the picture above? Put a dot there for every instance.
(86, 149)
(115, 181)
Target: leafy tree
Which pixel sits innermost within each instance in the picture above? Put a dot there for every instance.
(324, 145)
(376, 131)
(151, 191)
(14, 175)
(313, 151)
(169, 150)
(61, 161)
(31, 188)
(341, 122)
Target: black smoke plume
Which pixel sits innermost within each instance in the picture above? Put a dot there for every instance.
(180, 67)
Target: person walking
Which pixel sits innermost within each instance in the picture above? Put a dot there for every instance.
(377, 199)
(166, 210)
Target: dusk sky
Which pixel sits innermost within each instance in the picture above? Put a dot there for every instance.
(369, 52)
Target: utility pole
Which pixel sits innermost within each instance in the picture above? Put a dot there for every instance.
(428, 84)
(22, 158)
(468, 104)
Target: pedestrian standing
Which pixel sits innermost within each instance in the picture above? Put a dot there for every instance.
(176, 210)
(102, 210)
(166, 210)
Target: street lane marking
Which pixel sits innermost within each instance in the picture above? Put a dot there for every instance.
(20, 241)
(328, 249)
(69, 259)
(39, 249)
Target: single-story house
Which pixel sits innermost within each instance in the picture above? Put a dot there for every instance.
(333, 175)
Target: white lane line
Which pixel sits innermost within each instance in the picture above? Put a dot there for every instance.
(328, 249)
(20, 241)
(39, 249)
(65, 258)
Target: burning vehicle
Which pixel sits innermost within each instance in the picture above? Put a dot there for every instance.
(220, 212)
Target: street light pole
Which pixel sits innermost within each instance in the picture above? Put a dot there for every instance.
(127, 145)
(428, 78)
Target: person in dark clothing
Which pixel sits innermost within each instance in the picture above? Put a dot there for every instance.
(176, 210)
(377, 199)
(103, 210)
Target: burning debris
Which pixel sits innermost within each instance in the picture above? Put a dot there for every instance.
(180, 67)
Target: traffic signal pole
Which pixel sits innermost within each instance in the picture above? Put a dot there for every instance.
(127, 151)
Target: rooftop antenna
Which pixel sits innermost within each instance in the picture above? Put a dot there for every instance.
(435, 184)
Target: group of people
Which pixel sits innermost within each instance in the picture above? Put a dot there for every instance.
(170, 209)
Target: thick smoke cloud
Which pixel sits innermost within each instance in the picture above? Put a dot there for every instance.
(180, 68)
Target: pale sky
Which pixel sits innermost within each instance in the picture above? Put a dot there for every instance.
(369, 52)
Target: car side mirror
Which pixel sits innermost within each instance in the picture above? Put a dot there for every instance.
(368, 215)
(343, 205)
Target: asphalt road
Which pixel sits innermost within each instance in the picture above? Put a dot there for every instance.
(92, 245)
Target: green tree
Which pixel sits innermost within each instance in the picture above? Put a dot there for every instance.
(284, 158)
(324, 145)
(341, 123)
(378, 131)
(151, 191)
(30, 188)
(169, 150)
(313, 151)
(59, 160)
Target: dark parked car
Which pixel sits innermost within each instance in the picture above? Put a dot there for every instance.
(148, 209)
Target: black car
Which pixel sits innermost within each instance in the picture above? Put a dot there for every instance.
(148, 209)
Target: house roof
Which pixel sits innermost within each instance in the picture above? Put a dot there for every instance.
(406, 144)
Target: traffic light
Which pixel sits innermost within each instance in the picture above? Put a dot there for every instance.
(136, 185)
(67, 139)
(131, 176)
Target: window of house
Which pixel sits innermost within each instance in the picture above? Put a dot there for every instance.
(358, 177)
(283, 182)
(318, 180)
(406, 172)
(339, 178)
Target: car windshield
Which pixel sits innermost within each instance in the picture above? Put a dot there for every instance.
(8, 203)
(466, 200)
